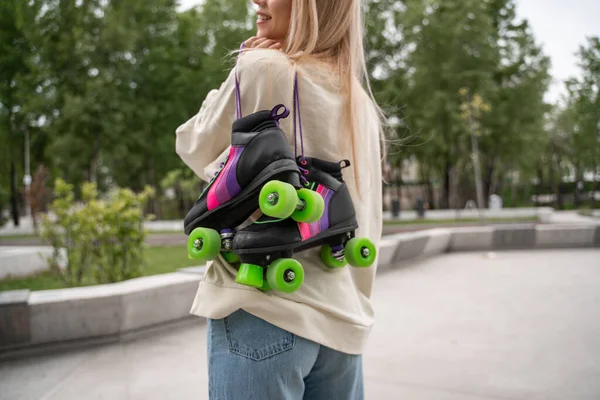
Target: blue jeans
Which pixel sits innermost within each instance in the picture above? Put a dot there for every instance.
(249, 358)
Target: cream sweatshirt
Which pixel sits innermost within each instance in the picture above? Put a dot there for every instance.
(332, 307)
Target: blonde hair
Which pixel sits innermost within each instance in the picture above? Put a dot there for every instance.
(332, 31)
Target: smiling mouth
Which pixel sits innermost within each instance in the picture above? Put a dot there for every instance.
(263, 17)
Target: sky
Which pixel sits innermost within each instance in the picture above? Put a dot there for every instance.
(560, 26)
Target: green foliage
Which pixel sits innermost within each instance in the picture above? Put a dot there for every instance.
(112, 80)
(424, 52)
(101, 238)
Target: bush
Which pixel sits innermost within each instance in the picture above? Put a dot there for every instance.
(103, 238)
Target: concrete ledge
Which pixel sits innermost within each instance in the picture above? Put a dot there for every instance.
(14, 317)
(114, 309)
(157, 300)
(471, 238)
(387, 250)
(551, 236)
(409, 245)
(68, 314)
(438, 242)
(514, 237)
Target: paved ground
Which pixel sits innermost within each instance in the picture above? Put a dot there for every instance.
(509, 326)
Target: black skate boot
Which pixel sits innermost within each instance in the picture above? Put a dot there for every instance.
(266, 247)
(260, 171)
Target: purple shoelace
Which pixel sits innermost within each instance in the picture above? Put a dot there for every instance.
(277, 116)
(298, 123)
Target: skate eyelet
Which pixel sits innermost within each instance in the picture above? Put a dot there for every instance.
(305, 172)
(303, 162)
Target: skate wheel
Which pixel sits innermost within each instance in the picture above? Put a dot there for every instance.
(250, 275)
(265, 286)
(278, 199)
(314, 205)
(329, 260)
(360, 252)
(285, 275)
(231, 257)
(203, 244)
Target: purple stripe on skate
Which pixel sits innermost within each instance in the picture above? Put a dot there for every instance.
(233, 187)
(324, 221)
(227, 187)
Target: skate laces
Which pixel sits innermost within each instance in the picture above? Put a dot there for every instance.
(277, 115)
(298, 132)
(238, 97)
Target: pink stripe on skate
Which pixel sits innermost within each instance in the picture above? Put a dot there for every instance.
(304, 230)
(211, 201)
(225, 186)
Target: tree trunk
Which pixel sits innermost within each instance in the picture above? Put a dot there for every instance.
(14, 204)
(576, 198)
(446, 197)
(430, 195)
(596, 189)
(153, 202)
(488, 182)
(559, 201)
(540, 186)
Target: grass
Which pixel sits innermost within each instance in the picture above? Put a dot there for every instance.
(457, 221)
(34, 236)
(158, 260)
(21, 236)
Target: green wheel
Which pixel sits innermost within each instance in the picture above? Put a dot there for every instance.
(278, 199)
(250, 275)
(314, 205)
(360, 252)
(285, 275)
(204, 244)
(329, 260)
(231, 257)
(265, 286)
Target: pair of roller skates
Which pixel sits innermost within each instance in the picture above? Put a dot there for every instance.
(304, 201)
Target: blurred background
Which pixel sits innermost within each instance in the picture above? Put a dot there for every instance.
(492, 105)
(92, 90)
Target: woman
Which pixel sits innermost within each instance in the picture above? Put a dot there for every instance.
(306, 344)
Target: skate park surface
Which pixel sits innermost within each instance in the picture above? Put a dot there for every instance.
(510, 325)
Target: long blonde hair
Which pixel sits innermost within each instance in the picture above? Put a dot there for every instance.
(332, 31)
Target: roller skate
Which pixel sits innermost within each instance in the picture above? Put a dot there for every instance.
(259, 172)
(266, 247)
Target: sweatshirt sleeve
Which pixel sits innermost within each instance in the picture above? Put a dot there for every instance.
(206, 135)
(266, 80)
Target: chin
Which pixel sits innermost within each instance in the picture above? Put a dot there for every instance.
(263, 33)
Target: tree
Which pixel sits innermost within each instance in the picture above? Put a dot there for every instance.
(16, 19)
(515, 134)
(583, 112)
(450, 50)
